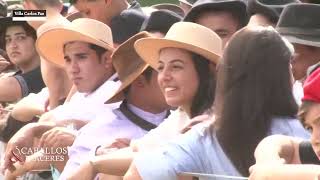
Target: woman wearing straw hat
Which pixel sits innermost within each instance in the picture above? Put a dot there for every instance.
(253, 100)
(186, 79)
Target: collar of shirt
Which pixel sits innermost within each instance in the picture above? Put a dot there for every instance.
(150, 117)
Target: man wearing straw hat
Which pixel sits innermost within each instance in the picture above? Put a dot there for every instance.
(81, 51)
(143, 107)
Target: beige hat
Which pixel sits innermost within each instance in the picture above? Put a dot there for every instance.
(185, 35)
(50, 43)
(127, 64)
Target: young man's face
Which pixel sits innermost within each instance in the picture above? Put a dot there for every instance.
(221, 22)
(19, 46)
(154, 94)
(304, 57)
(312, 123)
(94, 9)
(84, 67)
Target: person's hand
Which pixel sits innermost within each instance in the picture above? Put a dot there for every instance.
(8, 175)
(3, 63)
(194, 121)
(262, 170)
(17, 147)
(57, 137)
(19, 169)
(4, 113)
(117, 144)
(84, 172)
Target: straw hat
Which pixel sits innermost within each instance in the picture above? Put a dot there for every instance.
(50, 43)
(127, 64)
(185, 35)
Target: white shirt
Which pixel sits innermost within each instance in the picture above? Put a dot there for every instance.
(108, 126)
(298, 91)
(41, 97)
(84, 106)
(166, 131)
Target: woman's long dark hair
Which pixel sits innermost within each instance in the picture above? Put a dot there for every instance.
(204, 98)
(254, 85)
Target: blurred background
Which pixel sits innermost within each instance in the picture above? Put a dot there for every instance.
(143, 2)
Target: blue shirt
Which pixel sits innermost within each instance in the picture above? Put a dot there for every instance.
(199, 151)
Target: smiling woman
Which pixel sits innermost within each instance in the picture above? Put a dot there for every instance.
(185, 76)
(254, 99)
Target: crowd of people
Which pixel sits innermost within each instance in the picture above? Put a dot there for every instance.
(201, 89)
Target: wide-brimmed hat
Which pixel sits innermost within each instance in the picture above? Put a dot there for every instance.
(171, 7)
(128, 65)
(160, 21)
(237, 7)
(127, 24)
(50, 43)
(189, 2)
(269, 8)
(185, 35)
(75, 15)
(299, 23)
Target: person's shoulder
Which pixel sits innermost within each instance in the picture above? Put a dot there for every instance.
(202, 133)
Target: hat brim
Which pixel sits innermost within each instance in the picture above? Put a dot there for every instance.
(149, 49)
(119, 95)
(185, 2)
(236, 6)
(50, 44)
(304, 40)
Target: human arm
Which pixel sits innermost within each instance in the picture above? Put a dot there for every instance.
(10, 89)
(57, 137)
(23, 139)
(278, 148)
(115, 163)
(57, 82)
(285, 171)
(26, 109)
(4, 63)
